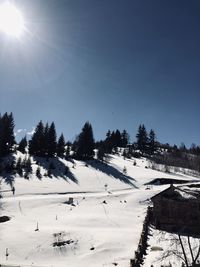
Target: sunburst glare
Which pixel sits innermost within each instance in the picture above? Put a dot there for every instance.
(11, 20)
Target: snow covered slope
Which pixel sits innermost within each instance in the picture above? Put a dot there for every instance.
(101, 228)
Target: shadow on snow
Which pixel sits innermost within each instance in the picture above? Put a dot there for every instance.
(111, 171)
(8, 176)
(58, 170)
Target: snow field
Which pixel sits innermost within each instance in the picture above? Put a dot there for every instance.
(102, 229)
(108, 228)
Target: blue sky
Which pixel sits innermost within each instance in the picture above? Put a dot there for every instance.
(115, 63)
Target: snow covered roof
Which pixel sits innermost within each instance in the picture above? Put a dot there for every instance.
(185, 194)
(179, 193)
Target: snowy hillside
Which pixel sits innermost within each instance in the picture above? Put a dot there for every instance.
(101, 228)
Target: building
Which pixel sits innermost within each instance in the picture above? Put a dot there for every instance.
(177, 209)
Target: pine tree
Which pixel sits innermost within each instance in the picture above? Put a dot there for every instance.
(10, 166)
(46, 136)
(52, 144)
(125, 154)
(152, 142)
(24, 162)
(28, 166)
(142, 139)
(85, 142)
(101, 153)
(61, 146)
(38, 172)
(117, 139)
(112, 140)
(125, 170)
(7, 137)
(68, 149)
(108, 134)
(19, 166)
(36, 144)
(124, 138)
(108, 143)
(182, 147)
(26, 175)
(22, 145)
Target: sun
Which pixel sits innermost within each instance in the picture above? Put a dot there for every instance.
(11, 20)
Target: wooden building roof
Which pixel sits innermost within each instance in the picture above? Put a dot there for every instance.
(179, 193)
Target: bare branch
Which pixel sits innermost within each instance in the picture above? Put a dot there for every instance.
(198, 252)
(189, 244)
(183, 250)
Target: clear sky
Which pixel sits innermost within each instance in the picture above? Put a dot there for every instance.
(115, 63)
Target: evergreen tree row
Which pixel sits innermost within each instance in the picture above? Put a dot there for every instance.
(44, 141)
(116, 139)
(146, 143)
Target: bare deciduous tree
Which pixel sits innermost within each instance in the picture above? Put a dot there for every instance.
(184, 247)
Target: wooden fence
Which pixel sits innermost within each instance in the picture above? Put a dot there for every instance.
(142, 246)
